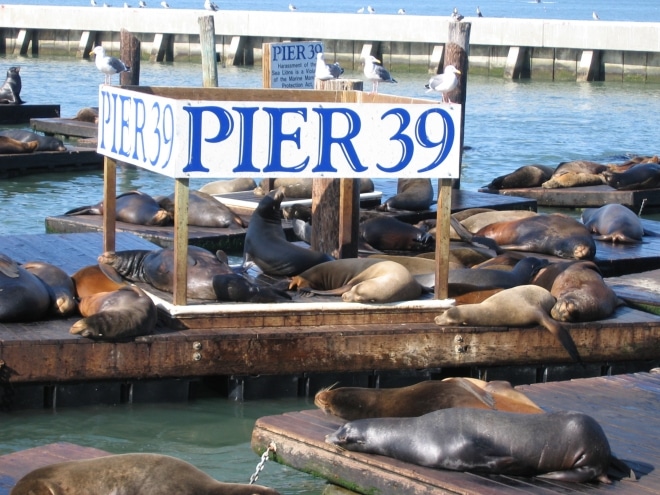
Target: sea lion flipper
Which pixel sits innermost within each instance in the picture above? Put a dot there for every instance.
(8, 266)
(85, 210)
(111, 273)
(563, 336)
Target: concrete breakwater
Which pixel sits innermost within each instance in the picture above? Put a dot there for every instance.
(509, 47)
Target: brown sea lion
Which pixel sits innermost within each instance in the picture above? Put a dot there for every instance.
(124, 313)
(411, 194)
(352, 403)
(59, 284)
(88, 114)
(302, 188)
(387, 233)
(228, 185)
(573, 179)
(478, 221)
(367, 280)
(146, 474)
(564, 445)
(44, 143)
(614, 223)
(93, 279)
(641, 176)
(506, 397)
(267, 246)
(157, 269)
(523, 177)
(10, 91)
(520, 306)
(580, 166)
(581, 292)
(205, 211)
(10, 146)
(554, 234)
(134, 207)
(24, 296)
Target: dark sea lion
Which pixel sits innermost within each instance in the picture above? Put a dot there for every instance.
(228, 185)
(146, 474)
(463, 280)
(45, 143)
(24, 296)
(387, 233)
(565, 445)
(157, 269)
(133, 207)
(88, 114)
(124, 313)
(10, 146)
(614, 223)
(59, 284)
(474, 297)
(10, 91)
(520, 306)
(581, 292)
(523, 177)
(359, 280)
(298, 211)
(554, 234)
(205, 211)
(266, 244)
(236, 288)
(351, 403)
(641, 176)
(411, 194)
(93, 279)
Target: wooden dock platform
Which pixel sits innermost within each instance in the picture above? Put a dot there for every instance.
(21, 114)
(626, 406)
(74, 158)
(17, 464)
(65, 127)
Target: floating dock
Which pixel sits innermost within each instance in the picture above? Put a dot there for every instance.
(626, 406)
(21, 114)
(74, 158)
(68, 128)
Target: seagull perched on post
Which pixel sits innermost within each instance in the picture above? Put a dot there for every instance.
(209, 5)
(370, 9)
(324, 71)
(444, 83)
(376, 73)
(108, 65)
(595, 16)
(164, 4)
(479, 14)
(456, 16)
(142, 4)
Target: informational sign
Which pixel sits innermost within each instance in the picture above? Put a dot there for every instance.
(293, 64)
(182, 138)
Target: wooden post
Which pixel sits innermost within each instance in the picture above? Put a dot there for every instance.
(265, 65)
(109, 203)
(442, 239)
(129, 53)
(207, 46)
(181, 194)
(339, 85)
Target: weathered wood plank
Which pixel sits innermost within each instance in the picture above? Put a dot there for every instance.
(21, 114)
(64, 127)
(49, 161)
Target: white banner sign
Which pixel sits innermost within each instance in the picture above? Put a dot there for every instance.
(293, 64)
(225, 139)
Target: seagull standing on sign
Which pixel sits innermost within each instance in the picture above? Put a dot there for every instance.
(456, 15)
(479, 14)
(108, 65)
(376, 73)
(325, 71)
(209, 5)
(444, 83)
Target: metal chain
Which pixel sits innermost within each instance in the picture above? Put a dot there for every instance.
(264, 457)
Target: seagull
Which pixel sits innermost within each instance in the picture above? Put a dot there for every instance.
(595, 16)
(142, 4)
(479, 14)
(108, 65)
(164, 4)
(209, 5)
(456, 16)
(360, 10)
(376, 73)
(370, 9)
(324, 71)
(292, 7)
(93, 2)
(444, 83)
(401, 11)
(126, 6)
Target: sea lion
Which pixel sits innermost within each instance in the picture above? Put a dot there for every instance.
(134, 207)
(9, 146)
(93, 279)
(44, 143)
(146, 474)
(87, 114)
(411, 194)
(10, 91)
(205, 211)
(564, 445)
(519, 306)
(359, 280)
(523, 177)
(614, 223)
(581, 292)
(157, 269)
(478, 221)
(351, 403)
(554, 234)
(463, 280)
(266, 244)
(237, 288)
(573, 179)
(120, 314)
(24, 296)
(59, 284)
(387, 233)
(641, 176)
(302, 188)
(228, 186)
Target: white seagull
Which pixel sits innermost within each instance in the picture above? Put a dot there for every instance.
(142, 4)
(360, 10)
(93, 2)
(401, 11)
(456, 16)
(108, 65)
(164, 4)
(376, 73)
(479, 14)
(324, 71)
(444, 83)
(209, 5)
(292, 7)
(370, 9)
(595, 16)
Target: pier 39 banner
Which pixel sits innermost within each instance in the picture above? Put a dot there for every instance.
(225, 139)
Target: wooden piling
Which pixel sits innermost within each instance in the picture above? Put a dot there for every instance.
(207, 49)
(129, 53)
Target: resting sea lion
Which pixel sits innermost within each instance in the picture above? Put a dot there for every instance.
(236, 288)
(464, 280)
(133, 207)
(10, 92)
(516, 307)
(565, 445)
(87, 114)
(266, 244)
(59, 285)
(642, 176)
(390, 234)
(478, 221)
(205, 211)
(93, 279)
(360, 280)
(523, 177)
(352, 403)
(146, 474)
(302, 188)
(44, 143)
(573, 179)
(24, 296)
(229, 185)
(157, 269)
(120, 314)
(613, 222)
(9, 146)
(411, 194)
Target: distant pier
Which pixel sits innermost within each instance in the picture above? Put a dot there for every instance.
(508, 47)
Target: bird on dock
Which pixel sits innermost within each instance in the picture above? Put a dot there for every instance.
(164, 4)
(142, 4)
(376, 73)
(479, 14)
(209, 5)
(370, 9)
(401, 11)
(126, 6)
(360, 10)
(325, 71)
(595, 16)
(444, 83)
(456, 16)
(108, 65)
(93, 2)
(292, 7)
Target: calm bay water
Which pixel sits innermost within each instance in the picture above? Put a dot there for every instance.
(508, 124)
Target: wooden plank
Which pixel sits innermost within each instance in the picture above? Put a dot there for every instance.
(64, 127)
(21, 114)
(49, 161)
